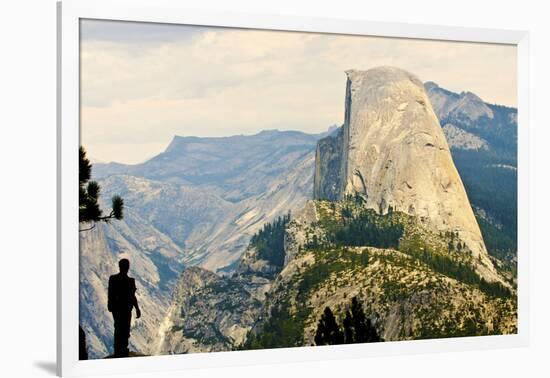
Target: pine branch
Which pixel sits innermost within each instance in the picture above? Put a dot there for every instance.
(88, 229)
(107, 218)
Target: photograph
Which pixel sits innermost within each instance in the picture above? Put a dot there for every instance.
(245, 189)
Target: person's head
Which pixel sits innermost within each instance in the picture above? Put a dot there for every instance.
(124, 265)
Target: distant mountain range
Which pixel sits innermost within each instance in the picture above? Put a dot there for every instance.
(495, 124)
(199, 202)
(209, 195)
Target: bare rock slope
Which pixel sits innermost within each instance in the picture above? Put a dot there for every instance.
(209, 313)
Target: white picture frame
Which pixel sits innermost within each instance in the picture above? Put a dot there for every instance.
(165, 11)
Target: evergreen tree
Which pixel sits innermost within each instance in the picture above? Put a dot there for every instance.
(347, 213)
(357, 328)
(328, 332)
(363, 330)
(89, 191)
(348, 328)
(269, 241)
(359, 200)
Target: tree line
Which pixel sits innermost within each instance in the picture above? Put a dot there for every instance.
(355, 327)
(269, 241)
(367, 228)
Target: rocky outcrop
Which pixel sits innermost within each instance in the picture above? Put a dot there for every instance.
(328, 158)
(460, 139)
(212, 313)
(255, 274)
(299, 231)
(466, 105)
(404, 295)
(208, 313)
(395, 155)
(251, 264)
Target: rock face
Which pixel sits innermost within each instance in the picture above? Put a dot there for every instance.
(298, 232)
(209, 195)
(209, 313)
(395, 155)
(482, 138)
(404, 293)
(328, 163)
(460, 139)
(465, 105)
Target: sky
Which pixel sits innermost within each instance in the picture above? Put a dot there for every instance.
(144, 83)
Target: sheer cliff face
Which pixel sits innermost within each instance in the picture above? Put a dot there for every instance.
(394, 153)
(328, 162)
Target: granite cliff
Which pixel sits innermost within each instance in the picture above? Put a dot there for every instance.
(392, 151)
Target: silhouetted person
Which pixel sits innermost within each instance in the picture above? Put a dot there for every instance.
(122, 298)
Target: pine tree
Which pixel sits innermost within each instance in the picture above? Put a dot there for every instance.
(357, 328)
(89, 192)
(363, 330)
(347, 213)
(348, 329)
(328, 332)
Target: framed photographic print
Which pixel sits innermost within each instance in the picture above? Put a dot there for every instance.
(268, 188)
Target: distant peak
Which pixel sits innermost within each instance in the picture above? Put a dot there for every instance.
(429, 85)
(182, 137)
(383, 70)
(332, 128)
(384, 75)
(268, 131)
(471, 96)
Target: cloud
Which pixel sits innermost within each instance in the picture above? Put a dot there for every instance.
(142, 90)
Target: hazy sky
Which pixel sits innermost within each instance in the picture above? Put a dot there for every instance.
(143, 83)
